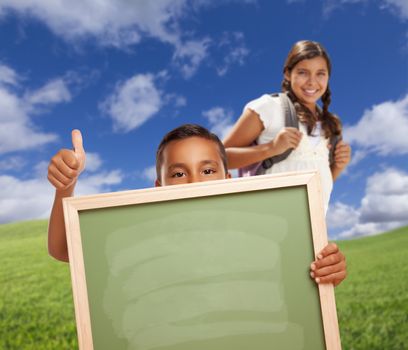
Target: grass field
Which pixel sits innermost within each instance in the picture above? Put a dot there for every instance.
(372, 303)
(36, 309)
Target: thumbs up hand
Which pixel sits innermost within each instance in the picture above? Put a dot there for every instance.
(67, 165)
(78, 149)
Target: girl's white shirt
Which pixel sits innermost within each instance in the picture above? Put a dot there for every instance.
(312, 152)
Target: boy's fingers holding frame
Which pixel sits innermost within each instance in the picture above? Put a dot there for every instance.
(329, 249)
(335, 278)
(329, 266)
(329, 269)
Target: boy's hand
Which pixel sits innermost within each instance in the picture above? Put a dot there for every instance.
(286, 138)
(66, 165)
(342, 155)
(330, 266)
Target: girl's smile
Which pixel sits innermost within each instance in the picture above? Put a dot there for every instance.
(309, 80)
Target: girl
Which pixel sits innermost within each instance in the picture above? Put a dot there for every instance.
(306, 80)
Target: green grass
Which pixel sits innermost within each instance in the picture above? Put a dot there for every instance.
(372, 303)
(36, 308)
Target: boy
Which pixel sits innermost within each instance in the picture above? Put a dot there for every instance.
(187, 154)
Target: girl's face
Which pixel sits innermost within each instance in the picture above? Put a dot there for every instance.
(309, 79)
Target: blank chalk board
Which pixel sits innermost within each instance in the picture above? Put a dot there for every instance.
(217, 265)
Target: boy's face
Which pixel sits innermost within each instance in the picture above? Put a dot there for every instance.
(194, 159)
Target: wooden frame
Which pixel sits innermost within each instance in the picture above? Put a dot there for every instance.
(73, 206)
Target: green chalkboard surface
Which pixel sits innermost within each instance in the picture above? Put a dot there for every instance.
(224, 271)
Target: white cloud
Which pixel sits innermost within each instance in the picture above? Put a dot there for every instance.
(220, 120)
(40, 169)
(397, 7)
(32, 198)
(369, 229)
(118, 23)
(14, 163)
(383, 207)
(389, 182)
(357, 156)
(122, 23)
(386, 197)
(189, 55)
(180, 101)
(174, 100)
(133, 102)
(55, 91)
(341, 215)
(149, 173)
(98, 183)
(383, 129)
(112, 22)
(329, 6)
(17, 130)
(234, 45)
(8, 75)
(24, 199)
(93, 161)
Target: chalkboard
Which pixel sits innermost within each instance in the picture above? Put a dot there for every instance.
(215, 265)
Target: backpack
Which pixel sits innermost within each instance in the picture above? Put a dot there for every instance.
(291, 120)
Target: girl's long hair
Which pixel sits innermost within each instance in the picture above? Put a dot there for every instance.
(303, 50)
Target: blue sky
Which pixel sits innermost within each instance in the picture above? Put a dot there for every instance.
(126, 72)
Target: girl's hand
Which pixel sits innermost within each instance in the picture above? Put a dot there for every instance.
(286, 138)
(342, 155)
(330, 266)
(66, 165)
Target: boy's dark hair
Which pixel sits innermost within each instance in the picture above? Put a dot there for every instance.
(186, 131)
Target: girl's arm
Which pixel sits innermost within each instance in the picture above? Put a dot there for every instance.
(342, 156)
(249, 126)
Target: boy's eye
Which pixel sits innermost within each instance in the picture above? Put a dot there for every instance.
(178, 174)
(209, 171)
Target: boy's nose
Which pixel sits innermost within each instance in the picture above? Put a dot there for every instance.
(195, 177)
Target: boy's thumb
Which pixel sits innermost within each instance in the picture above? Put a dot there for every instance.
(77, 142)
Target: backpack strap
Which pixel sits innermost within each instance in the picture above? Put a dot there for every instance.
(334, 140)
(291, 120)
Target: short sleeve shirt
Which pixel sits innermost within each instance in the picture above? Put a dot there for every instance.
(309, 155)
